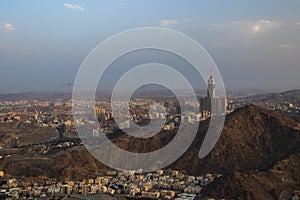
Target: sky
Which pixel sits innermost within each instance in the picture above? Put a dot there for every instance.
(254, 43)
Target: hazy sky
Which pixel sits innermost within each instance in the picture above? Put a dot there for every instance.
(255, 43)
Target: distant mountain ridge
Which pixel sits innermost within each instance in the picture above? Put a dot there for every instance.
(148, 92)
(41, 96)
(290, 95)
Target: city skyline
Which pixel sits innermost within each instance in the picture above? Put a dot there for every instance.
(253, 50)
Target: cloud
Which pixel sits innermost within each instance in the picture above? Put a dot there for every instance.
(170, 22)
(189, 20)
(74, 6)
(286, 45)
(250, 27)
(6, 27)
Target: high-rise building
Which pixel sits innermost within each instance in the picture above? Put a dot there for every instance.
(100, 113)
(211, 87)
(85, 190)
(212, 104)
(96, 132)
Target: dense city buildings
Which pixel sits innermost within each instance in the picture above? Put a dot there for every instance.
(162, 184)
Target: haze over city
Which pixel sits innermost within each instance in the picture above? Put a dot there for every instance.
(255, 44)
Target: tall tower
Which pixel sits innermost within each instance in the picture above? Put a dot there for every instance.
(211, 87)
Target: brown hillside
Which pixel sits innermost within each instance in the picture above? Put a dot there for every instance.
(279, 182)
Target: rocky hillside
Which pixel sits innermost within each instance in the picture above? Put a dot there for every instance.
(19, 134)
(70, 164)
(281, 181)
(252, 139)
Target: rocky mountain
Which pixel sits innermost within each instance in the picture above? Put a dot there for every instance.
(252, 139)
(68, 164)
(282, 181)
(20, 133)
